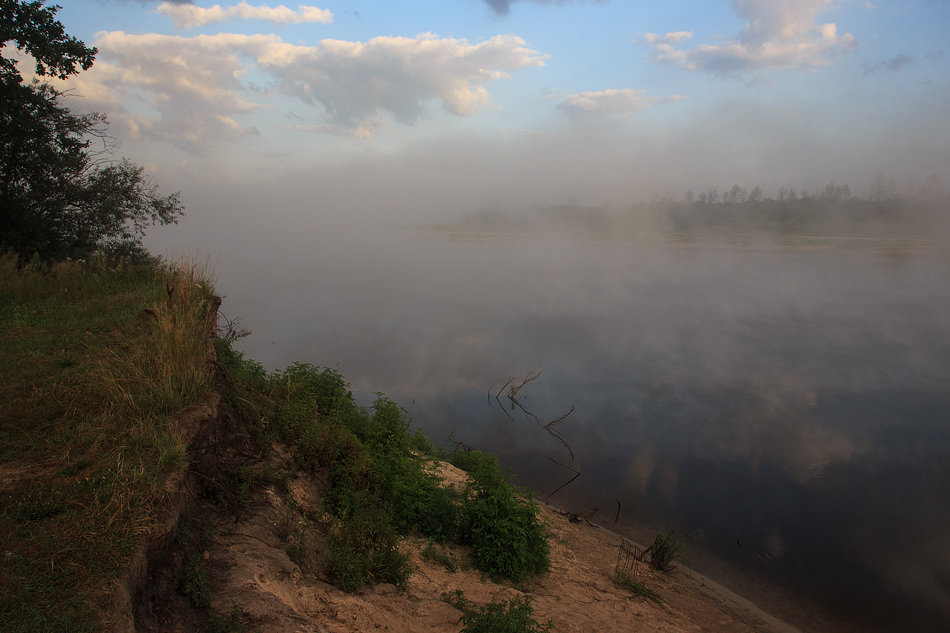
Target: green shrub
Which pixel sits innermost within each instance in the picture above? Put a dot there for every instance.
(421, 444)
(505, 530)
(364, 548)
(479, 465)
(302, 392)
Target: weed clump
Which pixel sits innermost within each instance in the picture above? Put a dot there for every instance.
(511, 616)
(629, 582)
(667, 547)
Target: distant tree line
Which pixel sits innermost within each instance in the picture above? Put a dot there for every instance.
(883, 189)
(831, 210)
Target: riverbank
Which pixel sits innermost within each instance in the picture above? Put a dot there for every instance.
(250, 567)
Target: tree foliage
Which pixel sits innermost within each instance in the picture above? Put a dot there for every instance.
(61, 195)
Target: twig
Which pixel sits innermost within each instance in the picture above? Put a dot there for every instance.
(560, 419)
(560, 438)
(570, 468)
(529, 377)
(502, 388)
(528, 414)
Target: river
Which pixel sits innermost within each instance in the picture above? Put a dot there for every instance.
(788, 411)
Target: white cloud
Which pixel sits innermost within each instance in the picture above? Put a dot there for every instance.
(356, 82)
(778, 34)
(187, 91)
(614, 103)
(189, 16)
(190, 91)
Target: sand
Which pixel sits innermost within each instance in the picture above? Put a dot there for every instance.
(250, 567)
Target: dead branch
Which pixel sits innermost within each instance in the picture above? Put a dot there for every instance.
(560, 438)
(529, 377)
(560, 419)
(502, 388)
(528, 414)
(576, 472)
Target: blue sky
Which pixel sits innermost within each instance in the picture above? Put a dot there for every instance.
(494, 103)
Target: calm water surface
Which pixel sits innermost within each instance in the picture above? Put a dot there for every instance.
(788, 410)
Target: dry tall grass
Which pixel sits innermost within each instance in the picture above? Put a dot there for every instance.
(166, 366)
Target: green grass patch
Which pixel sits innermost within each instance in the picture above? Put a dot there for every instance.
(97, 360)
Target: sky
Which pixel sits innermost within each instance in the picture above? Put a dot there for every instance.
(416, 111)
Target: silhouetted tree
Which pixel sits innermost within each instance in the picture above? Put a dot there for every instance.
(59, 197)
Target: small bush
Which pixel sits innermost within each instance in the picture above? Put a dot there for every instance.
(364, 549)
(505, 530)
(421, 444)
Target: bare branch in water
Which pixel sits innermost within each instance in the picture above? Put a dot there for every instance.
(560, 419)
(528, 414)
(529, 377)
(576, 472)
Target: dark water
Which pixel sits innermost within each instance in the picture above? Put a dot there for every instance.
(790, 411)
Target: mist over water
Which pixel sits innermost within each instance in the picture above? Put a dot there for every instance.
(789, 406)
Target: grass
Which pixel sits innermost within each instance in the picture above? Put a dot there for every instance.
(439, 555)
(97, 360)
(637, 588)
(668, 546)
(511, 616)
